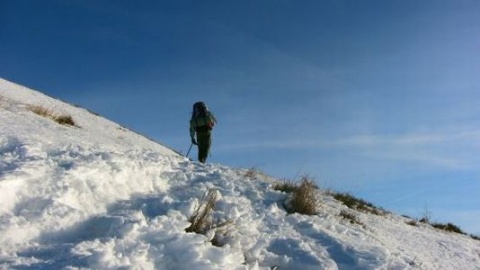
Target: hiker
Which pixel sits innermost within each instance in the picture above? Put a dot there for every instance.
(201, 124)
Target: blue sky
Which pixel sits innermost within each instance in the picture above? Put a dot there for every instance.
(377, 98)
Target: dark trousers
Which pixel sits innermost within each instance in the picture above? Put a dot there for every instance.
(204, 140)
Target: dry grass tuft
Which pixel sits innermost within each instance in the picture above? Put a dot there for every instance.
(201, 219)
(65, 120)
(304, 200)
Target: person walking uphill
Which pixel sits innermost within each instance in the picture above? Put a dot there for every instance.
(201, 125)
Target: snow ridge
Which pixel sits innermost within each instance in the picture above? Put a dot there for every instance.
(98, 196)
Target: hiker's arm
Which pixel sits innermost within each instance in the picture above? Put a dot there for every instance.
(192, 131)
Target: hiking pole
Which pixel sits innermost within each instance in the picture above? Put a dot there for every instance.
(189, 150)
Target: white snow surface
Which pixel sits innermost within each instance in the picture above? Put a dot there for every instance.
(98, 196)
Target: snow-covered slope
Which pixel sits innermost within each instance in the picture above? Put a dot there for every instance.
(97, 196)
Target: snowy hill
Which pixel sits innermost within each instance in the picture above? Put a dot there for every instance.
(94, 195)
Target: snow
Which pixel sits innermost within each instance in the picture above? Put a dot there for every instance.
(98, 196)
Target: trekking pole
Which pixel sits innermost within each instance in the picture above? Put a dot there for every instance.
(211, 153)
(189, 150)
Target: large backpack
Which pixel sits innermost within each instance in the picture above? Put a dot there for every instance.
(199, 109)
(202, 119)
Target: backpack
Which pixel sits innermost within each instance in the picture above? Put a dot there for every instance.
(199, 109)
(202, 119)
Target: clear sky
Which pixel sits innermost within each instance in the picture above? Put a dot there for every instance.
(377, 98)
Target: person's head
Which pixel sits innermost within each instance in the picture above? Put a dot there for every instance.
(199, 107)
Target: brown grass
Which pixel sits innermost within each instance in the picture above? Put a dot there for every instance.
(358, 204)
(285, 186)
(42, 111)
(201, 219)
(251, 173)
(61, 119)
(350, 217)
(65, 120)
(304, 200)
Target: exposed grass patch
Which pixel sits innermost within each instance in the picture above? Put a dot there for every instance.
(251, 173)
(449, 227)
(475, 237)
(285, 186)
(61, 119)
(358, 204)
(412, 223)
(65, 120)
(350, 217)
(303, 198)
(41, 111)
(255, 173)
